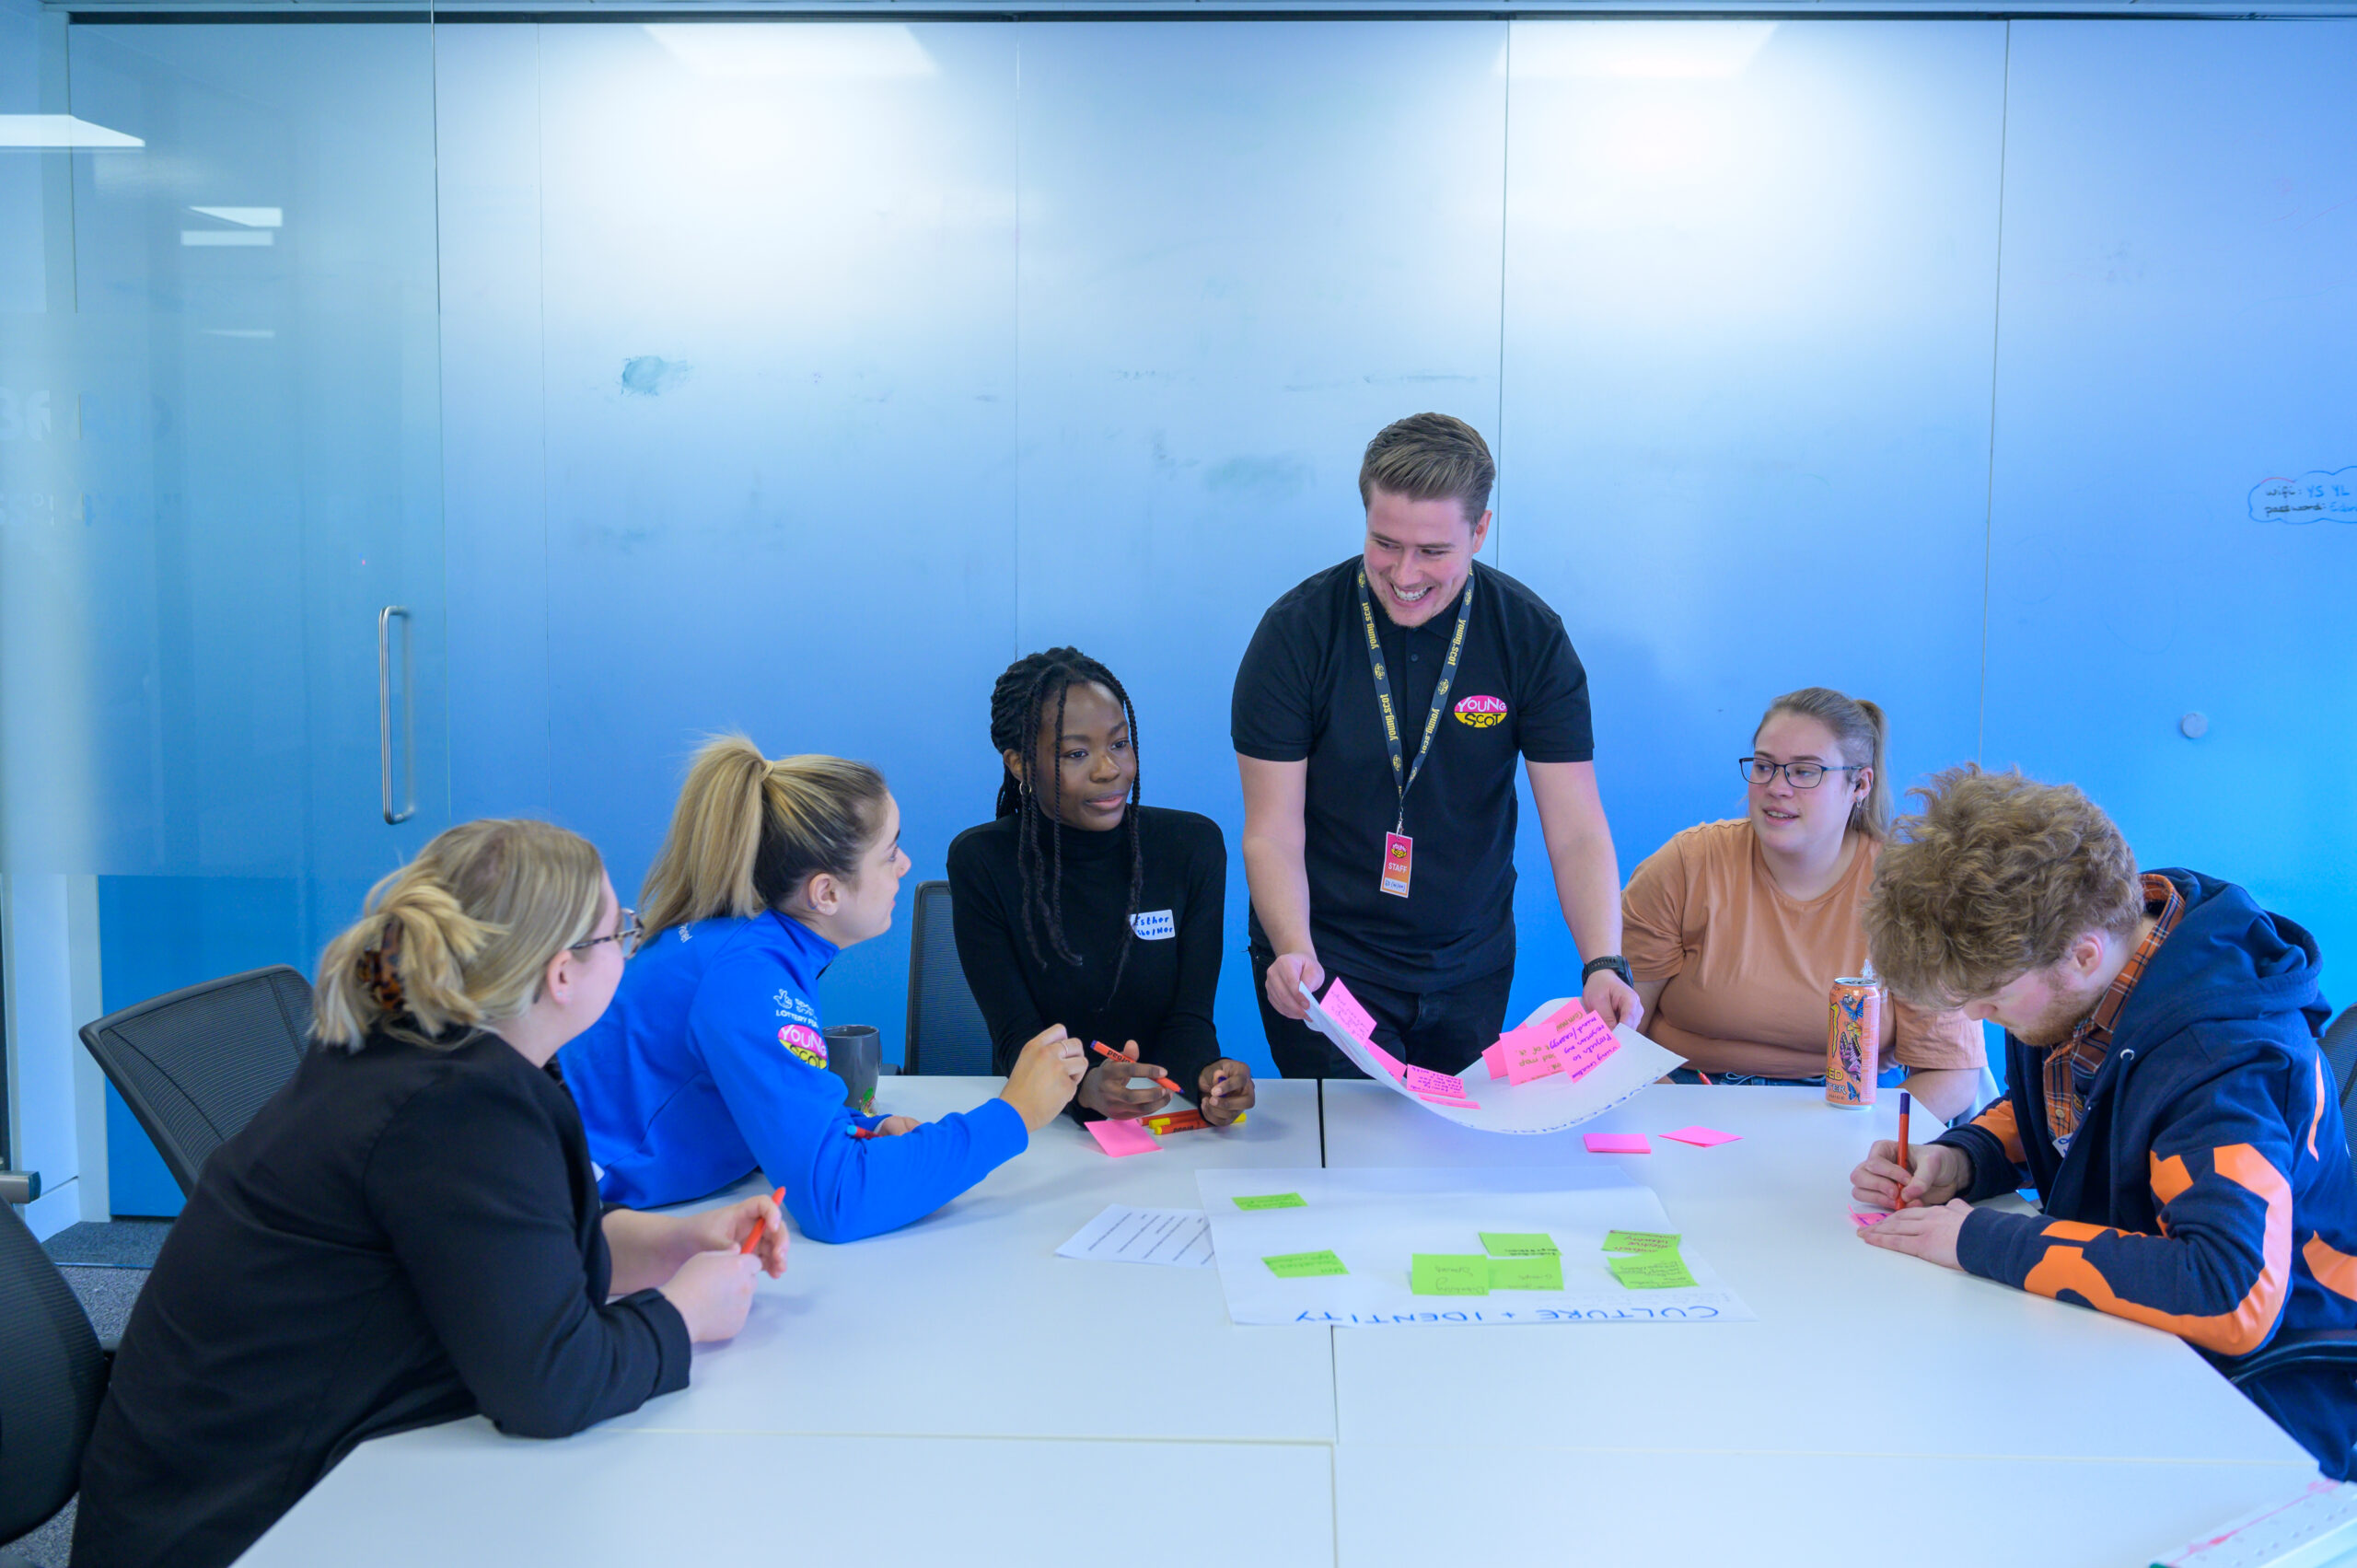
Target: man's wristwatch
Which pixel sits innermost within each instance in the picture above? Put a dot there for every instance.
(1614, 962)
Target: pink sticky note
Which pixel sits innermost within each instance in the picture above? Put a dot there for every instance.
(1565, 1017)
(1862, 1219)
(1703, 1137)
(1347, 1012)
(1531, 1062)
(1494, 1059)
(1389, 1063)
(1618, 1144)
(1119, 1138)
(1434, 1085)
(1459, 1101)
(1580, 1059)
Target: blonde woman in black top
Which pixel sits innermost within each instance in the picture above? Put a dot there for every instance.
(409, 1232)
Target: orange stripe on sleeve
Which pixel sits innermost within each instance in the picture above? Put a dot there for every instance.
(2169, 1177)
(2334, 1270)
(2235, 1332)
(2078, 1230)
(1999, 1122)
(2317, 1120)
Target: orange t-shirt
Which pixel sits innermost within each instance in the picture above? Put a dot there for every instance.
(1750, 969)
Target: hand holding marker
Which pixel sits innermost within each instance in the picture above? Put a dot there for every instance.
(1104, 1049)
(760, 1228)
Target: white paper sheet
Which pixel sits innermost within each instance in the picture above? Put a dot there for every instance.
(1543, 1105)
(1177, 1238)
(1376, 1220)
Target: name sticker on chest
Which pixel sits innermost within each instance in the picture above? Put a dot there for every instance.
(1154, 926)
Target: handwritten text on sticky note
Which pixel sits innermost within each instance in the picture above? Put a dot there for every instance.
(1640, 1242)
(1651, 1270)
(1303, 1265)
(1518, 1244)
(1447, 1273)
(1526, 1273)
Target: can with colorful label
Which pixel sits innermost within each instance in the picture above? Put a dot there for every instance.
(1853, 1042)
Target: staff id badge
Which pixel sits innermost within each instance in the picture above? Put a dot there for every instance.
(1398, 859)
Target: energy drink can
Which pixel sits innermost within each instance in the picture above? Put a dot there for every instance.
(1853, 1042)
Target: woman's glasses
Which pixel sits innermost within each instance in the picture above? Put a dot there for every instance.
(1803, 775)
(627, 934)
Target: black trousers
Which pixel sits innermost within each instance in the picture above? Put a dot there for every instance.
(1443, 1030)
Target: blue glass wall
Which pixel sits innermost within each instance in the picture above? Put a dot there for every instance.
(793, 377)
(801, 376)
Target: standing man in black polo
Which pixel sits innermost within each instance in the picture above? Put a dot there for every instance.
(1376, 720)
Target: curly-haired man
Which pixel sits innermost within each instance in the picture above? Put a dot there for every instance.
(2168, 1100)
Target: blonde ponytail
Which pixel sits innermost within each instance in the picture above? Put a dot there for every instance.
(747, 832)
(460, 937)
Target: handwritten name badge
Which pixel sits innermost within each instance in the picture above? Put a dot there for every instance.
(1154, 926)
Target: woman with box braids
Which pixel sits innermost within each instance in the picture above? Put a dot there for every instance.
(1080, 906)
(1019, 703)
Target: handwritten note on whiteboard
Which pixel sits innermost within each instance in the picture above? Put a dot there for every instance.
(2316, 496)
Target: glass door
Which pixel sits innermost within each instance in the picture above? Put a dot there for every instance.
(229, 554)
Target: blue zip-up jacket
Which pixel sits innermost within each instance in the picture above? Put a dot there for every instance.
(2208, 1188)
(711, 1061)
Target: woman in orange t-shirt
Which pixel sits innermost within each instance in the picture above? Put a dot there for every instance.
(1738, 930)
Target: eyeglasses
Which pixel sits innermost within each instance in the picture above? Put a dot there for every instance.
(627, 934)
(1803, 775)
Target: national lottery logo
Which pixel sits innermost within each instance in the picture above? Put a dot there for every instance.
(804, 1042)
(1481, 712)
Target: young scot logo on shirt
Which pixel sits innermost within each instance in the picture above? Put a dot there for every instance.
(1154, 926)
(1481, 712)
(804, 1042)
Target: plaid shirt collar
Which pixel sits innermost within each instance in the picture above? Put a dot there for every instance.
(2070, 1068)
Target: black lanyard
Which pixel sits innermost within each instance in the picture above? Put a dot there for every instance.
(1402, 775)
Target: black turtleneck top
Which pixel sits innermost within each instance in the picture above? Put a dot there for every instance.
(1164, 1001)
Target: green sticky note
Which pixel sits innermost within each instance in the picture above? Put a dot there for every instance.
(1526, 1273)
(1449, 1273)
(1303, 1265)
(1639, 1241)
(1518, 1244)
(1272, 1200)
(1651, 1270)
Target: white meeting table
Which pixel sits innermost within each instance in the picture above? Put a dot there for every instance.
(1880, 1408)
(955, 1393)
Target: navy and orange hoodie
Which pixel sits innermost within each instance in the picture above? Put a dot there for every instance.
(2207, 1190)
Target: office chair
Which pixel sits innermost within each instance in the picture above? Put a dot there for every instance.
(946, 1034)
(194, 1065)
(53, 1371)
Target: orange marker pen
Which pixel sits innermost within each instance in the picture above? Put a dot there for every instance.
(763, 1227)
(1125, 1056)
(1906, 1104)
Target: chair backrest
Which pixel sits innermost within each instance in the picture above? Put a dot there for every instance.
(52, 1373)
(195, 1065)
(946, 1034)
(2338, 1044)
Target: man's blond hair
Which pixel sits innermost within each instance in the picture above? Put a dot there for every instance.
(1430, 457)
(1996, 877)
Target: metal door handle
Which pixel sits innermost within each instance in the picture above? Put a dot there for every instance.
(385, 714)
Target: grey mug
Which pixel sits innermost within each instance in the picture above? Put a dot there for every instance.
(854, 1053)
